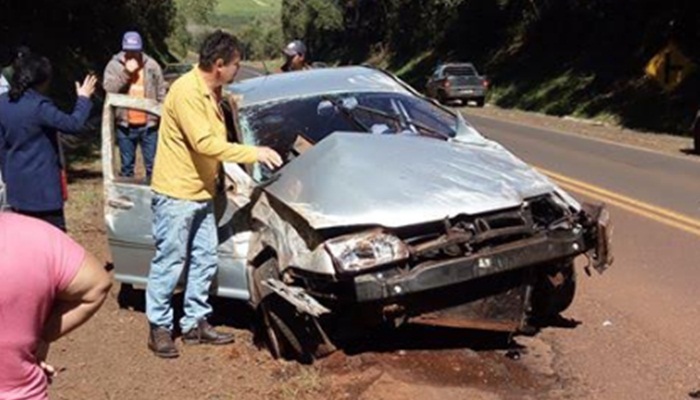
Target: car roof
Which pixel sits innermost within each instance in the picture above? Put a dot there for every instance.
(464, 64)
(315, 82)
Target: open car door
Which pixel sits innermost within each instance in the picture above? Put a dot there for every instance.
(129, 219)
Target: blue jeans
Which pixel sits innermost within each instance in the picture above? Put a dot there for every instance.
(128, 138)
(186, 239)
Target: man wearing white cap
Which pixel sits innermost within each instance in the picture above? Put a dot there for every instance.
(133, 72)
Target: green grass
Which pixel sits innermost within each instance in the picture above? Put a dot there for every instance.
(244, 11)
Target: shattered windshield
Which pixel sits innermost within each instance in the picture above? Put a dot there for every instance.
(282, 124)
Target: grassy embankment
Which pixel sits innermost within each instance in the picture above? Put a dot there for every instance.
(236, 14)
(605, 82)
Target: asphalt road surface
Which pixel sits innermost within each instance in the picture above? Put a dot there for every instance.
(247, 72)
(638, 337)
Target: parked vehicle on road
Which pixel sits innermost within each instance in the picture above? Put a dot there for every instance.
(457, 81)
(389, 209)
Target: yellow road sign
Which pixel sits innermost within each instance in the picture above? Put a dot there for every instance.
(669, 67)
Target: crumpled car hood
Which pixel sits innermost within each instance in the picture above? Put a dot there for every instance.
(399, 180)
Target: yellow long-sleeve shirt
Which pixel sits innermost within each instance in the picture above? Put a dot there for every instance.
(192, 142)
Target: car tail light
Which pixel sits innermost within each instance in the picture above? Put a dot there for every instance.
(486, 84)
(446, 84)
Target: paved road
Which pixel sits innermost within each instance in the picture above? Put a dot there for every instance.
(655, 178)
(640, 320)
(247, 72)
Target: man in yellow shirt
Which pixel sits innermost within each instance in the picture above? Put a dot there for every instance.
(191, 144)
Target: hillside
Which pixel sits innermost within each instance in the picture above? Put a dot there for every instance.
(561, 57)
(236, 14)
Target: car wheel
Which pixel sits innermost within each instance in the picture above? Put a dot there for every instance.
(480, 101)
(554, 291)
(696, 137)
(283, 330)
(287, 333)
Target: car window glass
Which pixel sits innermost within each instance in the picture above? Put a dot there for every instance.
(279, 124)
(134, 144)
(462, 70)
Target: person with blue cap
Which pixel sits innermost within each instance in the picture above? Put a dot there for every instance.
(133, 72)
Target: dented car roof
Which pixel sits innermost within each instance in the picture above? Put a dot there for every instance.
(314, 82)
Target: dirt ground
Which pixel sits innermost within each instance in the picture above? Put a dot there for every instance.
(108, 358)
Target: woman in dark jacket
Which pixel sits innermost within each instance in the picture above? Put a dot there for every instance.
(29, 147)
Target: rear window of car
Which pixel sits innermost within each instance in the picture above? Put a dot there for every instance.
(464, 70)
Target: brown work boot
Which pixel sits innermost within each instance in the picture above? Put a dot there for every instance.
(160, 341)
(204, 333)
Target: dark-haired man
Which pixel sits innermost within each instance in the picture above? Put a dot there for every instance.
(191, 143)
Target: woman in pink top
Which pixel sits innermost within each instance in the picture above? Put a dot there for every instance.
(49, 285)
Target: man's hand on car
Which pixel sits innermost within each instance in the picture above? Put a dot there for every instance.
(269, 157)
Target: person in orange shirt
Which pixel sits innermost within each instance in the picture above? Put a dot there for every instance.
(133, 72)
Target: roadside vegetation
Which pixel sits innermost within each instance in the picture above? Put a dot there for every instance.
(561, 57)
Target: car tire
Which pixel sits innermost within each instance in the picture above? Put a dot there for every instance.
(480, 101)
(283, 329)
(554, 291)
(287, 333)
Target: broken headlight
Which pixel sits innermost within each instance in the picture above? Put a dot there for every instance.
(353, 253)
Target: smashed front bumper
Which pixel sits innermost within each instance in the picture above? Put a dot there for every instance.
(591, 238)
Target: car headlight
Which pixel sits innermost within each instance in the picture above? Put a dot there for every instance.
(353, 253)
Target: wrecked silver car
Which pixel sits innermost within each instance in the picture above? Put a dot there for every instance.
(389, 209)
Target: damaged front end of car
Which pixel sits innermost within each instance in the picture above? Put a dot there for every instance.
(478, 272)
(486, 243)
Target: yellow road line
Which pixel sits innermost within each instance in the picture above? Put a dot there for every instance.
(658, 214)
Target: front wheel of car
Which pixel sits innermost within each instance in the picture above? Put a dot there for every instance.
(553, 291)
(480, 101)
(288, 333)
(283, 329)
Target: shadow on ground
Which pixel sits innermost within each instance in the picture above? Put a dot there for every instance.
(411, 336)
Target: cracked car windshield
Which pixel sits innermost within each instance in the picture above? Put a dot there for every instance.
(284, 124)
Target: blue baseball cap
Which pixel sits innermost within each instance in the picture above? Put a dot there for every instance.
(132, 41)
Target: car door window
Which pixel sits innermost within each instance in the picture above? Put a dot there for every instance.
(134, 144)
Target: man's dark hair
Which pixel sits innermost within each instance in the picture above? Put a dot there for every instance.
(218, 45)
(29, 71)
